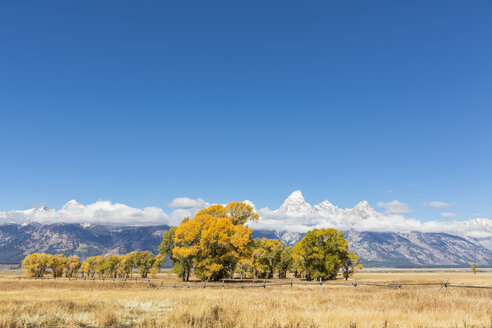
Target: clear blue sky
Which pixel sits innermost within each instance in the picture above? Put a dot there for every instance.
(143, 101)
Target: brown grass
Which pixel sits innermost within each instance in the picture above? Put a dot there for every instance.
(63, 303)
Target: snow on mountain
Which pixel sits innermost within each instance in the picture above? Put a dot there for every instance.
(295, 205)
(294, 217)
(410, 249)
(298, 216)
(16, 241)
(100, 212)
(381, 239)
(72, 204)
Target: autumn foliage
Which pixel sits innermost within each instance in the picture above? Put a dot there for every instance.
(111, 266)
(39, 264)
(215, 244)
(212, 243)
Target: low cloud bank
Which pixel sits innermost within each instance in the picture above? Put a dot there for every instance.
(275, 220)
(295, 215)
(100, 212)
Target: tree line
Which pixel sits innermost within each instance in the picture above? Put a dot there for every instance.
(110, 266)
(215, 244)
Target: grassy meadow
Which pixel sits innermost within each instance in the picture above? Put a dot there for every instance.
(63, 303)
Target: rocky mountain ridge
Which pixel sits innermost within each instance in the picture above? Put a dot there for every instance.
(375, 248)
(84, 240)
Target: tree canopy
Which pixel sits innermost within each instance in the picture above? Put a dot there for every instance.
(215, 244)
(212, 243)
(111, 266)
(321, 253)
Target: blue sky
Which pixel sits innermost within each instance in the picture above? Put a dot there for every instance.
(142, 102)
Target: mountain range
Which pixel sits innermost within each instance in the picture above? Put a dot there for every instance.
(296, 215)
(18, 240)
(386, 249)
(381, 239)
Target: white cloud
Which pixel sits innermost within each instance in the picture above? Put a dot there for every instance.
(100, 212)
(185, 207)
(390, 191)
(298, 216)
(449, 215)
(105, 212)
(437, 204)
(185, 202)
(395, 207)
(302, 217)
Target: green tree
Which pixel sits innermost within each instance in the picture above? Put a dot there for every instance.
(145, 262)
(285, 263)
(474, 267)
(113, 263)
(350, 264)
(267, 254)
(321, 253)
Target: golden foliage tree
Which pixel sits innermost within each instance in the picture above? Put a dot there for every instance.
(182, 265)
(35, 264)
(73, 266)
(127, 265)
(215, 240)
(112, 266)
(89, 267)
(241, 213)
(57, 264)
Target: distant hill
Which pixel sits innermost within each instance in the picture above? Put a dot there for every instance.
(383, 249)
(83, 240)
(413, 249)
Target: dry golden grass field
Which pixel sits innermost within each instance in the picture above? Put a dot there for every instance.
(63, 303)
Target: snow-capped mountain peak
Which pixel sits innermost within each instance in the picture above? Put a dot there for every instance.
(295, 204)
(37, 209)
(72, 204)
(326, 206)
(363, 209)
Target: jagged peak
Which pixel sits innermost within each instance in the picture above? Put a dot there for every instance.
(39, 208)
(325, 204)
(72, 204)
(363, 209)
(296, 195)
(295, 203)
